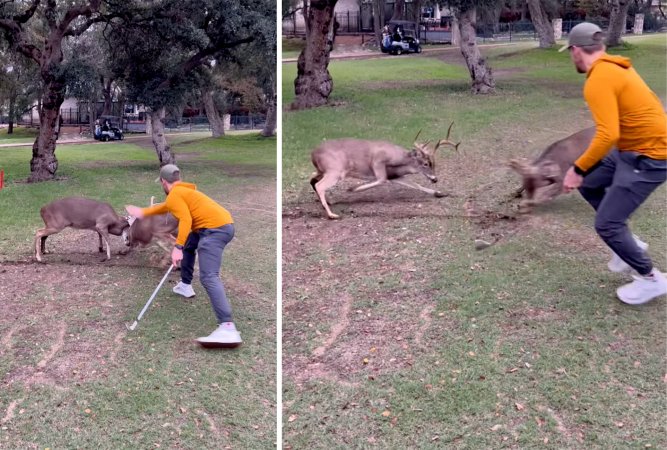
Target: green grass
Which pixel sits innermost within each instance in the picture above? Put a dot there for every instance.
(19, 134)
(292, 47)
(100, 386)
(522, 345)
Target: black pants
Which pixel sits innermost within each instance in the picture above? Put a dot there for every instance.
(615, 189)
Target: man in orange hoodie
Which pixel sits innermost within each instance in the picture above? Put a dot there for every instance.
(630, 117)
(206, 228)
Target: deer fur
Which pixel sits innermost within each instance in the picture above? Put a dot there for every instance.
(82, 214)
(380, 161)
(543, 178)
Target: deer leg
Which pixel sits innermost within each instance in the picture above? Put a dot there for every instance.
(99, 247)
(105, 237)
(327, 181)
(380, 172)
(546, 193)
(40, 240)
(412, 185)
(316, 177)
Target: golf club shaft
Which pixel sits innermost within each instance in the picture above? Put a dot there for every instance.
(150, 300)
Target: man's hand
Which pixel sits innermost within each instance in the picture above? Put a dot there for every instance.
(134, 211)
(176, 256)
(572, 180)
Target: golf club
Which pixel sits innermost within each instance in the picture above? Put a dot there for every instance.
(150, 300)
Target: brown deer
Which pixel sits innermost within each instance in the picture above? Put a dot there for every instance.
(162, 227)
(382, 161)
(543, 178)
(82, 214)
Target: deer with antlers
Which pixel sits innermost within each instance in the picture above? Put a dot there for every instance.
(380, 161)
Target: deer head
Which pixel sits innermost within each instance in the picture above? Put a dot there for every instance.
(429, 151)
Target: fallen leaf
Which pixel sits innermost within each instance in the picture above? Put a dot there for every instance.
(386, 413)
(292, 418)
(540, 421)
(471, 353)
(435, 438)
(546, 440)
(87, 411)
(512, 370)
(496, 427)
(519, 406)
(619, 424)
(637, 364)
(365, 361)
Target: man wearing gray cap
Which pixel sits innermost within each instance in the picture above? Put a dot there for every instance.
(625, 162)
(204, 229)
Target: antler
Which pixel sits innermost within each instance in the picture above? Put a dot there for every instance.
(446, 140)
(418, 135)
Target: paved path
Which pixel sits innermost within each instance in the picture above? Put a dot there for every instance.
(93, 141)
(371, 54)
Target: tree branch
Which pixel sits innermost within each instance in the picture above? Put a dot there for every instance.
(199, 57)
(23, 18)
(76, 11)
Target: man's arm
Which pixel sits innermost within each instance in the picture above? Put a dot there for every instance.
(600, 94)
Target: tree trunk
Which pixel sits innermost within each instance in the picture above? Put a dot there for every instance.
(106, 93)
(12, 113)
(482, 78)
(214, 119)
(617, 18)
(44, 164)
(378, 19)
(399, 8)
(92, 116)
(159, 139)
(271, 119)
(542, 24)
(313, 83)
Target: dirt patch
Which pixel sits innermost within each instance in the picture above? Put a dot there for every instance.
(66, 323)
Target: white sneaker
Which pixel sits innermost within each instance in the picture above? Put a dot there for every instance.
(616, 264)
(225, 336)
(184, 289)
(643, 289)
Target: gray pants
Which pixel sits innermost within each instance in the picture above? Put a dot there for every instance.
(615, 189)
(209, 245)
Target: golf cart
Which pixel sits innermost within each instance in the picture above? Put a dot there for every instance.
(108, 128)
(400, 36)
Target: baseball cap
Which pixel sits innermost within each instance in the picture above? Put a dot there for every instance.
(170, 173)
(582, 35)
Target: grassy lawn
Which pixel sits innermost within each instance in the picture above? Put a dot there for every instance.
(19, 135)
(72, 376)
(397, 334)
(292, 47)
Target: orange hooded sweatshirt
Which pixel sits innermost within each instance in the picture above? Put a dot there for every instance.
(627, 113)
(193, 209)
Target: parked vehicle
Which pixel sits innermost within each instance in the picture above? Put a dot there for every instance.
(108, 128)
(400, 36)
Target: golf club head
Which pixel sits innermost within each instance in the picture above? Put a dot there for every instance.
(132, 327)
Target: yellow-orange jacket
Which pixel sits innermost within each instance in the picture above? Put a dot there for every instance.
(193, 209)
(627, 113)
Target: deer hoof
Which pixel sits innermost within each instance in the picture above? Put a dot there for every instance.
(438, 194)
(334, 216)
